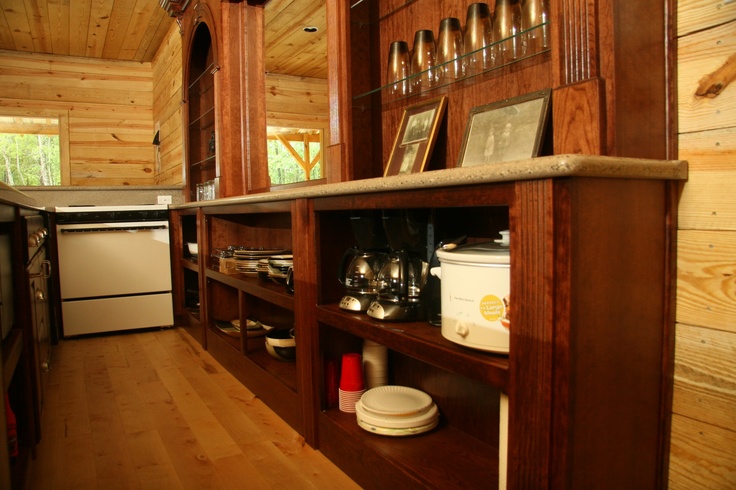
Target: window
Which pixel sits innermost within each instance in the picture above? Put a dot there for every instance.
(294, 155)
(30, 151)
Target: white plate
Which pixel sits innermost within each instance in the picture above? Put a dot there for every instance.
(400, 422)
(397, 432)
(395, 400)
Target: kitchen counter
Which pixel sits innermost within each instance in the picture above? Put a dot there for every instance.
(11, 195)
(557, 166)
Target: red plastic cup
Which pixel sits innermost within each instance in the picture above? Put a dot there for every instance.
(331, 382)
(351, 375)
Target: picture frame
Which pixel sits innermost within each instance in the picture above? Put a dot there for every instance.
(512, 129)
(416, 137)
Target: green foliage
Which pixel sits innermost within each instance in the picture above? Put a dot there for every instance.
(30, 160)
(283, 169)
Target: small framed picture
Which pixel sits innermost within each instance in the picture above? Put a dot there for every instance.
(512, 129)
(416, 137)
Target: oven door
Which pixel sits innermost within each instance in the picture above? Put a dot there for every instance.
(113, 259)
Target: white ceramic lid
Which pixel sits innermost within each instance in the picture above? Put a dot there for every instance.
(475, 254)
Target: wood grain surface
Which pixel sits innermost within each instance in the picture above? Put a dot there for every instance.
(153, 410)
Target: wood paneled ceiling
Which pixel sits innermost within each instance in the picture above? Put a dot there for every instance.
(133, 30)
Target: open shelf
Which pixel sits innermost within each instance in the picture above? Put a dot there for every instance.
(421, 341)
(442, 458)
(408, 87)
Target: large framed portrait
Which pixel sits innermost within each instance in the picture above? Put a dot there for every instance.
(416, 137)
(512, 129)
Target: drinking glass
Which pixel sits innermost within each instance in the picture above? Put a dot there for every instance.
(449, 50)
(478, 35)
(506, 27)
(398, 68)
(534, 13)
(424, 61)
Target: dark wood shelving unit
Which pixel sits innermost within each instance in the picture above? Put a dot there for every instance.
(422, 342)
(588, 377)
(416, 461)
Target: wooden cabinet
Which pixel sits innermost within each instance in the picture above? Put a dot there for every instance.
(224, 121)
(201, 130)
(588, 377)
(606, 65)
(209, 297)
(24, 353)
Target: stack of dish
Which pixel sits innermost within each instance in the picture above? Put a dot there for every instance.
(278, 267)
(249, 257)
(396, 411)
(218, 254)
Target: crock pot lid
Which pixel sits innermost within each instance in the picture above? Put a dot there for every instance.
(485, 252)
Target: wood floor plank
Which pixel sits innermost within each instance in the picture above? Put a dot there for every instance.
(152, 410)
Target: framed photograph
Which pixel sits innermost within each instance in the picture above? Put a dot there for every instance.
(512, 129)
(415, 137)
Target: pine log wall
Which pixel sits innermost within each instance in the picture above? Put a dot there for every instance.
(105, 110)
(167, 109)
(703, 445)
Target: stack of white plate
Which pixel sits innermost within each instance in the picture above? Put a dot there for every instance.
(248, 257)
(396, 411)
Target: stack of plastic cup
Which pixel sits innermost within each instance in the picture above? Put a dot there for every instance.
(375, 364)
(352, 385)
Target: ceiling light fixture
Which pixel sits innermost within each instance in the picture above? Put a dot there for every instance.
(310, 29)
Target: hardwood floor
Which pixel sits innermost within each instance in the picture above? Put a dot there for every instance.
(152, 410)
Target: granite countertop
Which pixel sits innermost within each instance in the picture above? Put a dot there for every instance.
(557, 166)
(14, 197)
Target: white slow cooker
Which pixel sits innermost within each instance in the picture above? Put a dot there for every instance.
(475, 284)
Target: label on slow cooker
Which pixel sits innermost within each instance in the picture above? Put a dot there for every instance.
(491, 307)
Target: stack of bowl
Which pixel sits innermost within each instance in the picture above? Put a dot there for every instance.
(278, 267)
(281, 344)
(396, 411)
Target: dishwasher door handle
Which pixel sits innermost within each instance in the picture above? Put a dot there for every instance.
(112, 229)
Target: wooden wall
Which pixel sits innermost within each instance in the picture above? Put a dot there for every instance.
(167, 109)
(703, 448)
(297, 102)
(107, 105)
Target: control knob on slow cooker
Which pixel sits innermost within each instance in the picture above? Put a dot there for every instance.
(462, 329)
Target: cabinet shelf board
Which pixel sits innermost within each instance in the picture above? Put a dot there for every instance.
(442, 458)
(233, 342)
(282, 371)
(12, 347)
(275, 383)
(191, 264)
(424, 342)
(265, 290)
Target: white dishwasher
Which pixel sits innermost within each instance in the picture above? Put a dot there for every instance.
(114, 268)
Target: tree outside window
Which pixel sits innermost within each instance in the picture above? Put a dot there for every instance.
(294, 155)
(29, 151)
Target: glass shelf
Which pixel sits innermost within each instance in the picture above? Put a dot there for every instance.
(393, 92)
(209, 124)
(206, 163)
(210, 70)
